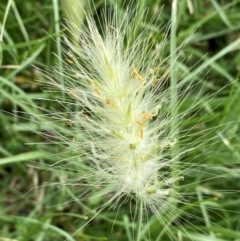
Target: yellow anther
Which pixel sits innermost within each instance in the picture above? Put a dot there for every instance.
(137, 75)
(143, 158)
(97, 90)
(156, 70)
(141, 133)
(69, 122)
(147, 116)
(140, 123)
(74, 94)
(155, 80)
(110, 102)
(166, 73)
(70, 61)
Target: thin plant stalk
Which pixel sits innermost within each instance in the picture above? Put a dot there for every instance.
(173, 85)
(139, 220)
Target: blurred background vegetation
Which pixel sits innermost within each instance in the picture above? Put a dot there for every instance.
(32, 210)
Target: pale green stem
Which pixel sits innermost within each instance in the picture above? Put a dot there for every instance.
(139, 220)
(58, 41)
(174, 98)
(173, 73)
(57, 29)
(173, 84)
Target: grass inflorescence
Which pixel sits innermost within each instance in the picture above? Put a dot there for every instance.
(133, 130)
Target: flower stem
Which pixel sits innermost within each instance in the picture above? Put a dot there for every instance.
(173, 73)
(139, 220)
(173, 86)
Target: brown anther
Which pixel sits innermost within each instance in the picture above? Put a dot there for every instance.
(20, 79)
(69, 122)
(141, 133)
(156, 70)
(155, 80)
(74, 139)
(137, 75)
(110, 102)
(147, 116)
(70, 61)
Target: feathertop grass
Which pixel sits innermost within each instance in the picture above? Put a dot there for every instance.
(125, 129)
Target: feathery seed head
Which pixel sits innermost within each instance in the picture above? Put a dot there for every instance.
(122, 123)
(120, 102)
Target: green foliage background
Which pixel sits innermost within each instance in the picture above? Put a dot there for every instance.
(31, 210)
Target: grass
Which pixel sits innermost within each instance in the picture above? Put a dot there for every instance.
(32, 210)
